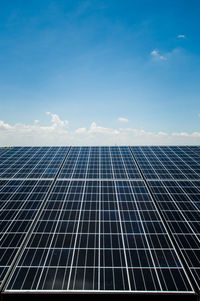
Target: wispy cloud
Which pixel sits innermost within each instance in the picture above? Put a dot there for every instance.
(94, 128)
(181, 36)
(156, 54)
(122, 119)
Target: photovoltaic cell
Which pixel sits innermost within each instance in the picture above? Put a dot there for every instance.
(100, 219)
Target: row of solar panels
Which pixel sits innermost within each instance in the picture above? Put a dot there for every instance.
(101, 162)
(112, 219)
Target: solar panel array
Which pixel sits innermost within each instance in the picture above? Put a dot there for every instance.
(100, 219)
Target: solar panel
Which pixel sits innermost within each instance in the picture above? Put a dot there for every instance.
(99, 163)
(178, 201)
(100, 219)
(20, 201)
(182, 216)
(31, 162)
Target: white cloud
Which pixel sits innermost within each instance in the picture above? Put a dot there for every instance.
(162, 134)
(5, 126)
(122, 119)
(34, 134)
(155, 53)
(80, 130)
(94, 128)
(181, 36)
(57, 132)
(195, 134)
(182, 134)
(56, 121)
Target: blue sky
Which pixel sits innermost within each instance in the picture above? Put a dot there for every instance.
(99, 72)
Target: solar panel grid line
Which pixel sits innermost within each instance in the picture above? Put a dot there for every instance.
(30, 162)
(9, 254)
(195, 161)
(18, 188)
(14, 154)
(57, 293)
(20, 179)
(171, 176)
(86, 200)
(54, 169)
(10, 152)
(28, 168)
(120, 236)
(181, 212)
(42, 159)
(18, 212)
(173, 241)
(70, 181)
(152, 251)
(20, 162)
(146, 237)
(51, 242)
(193, 203)
(174, 165)
(190, 226)
(78, 224)
(2, 188)
(3, 151)
(185, 162)
(149, 165)
(154, 166)
(99, 217)
(172, 179)
(189, 166)
(18, 254)
(168, 172)
(181, 224)
(176, 203)
(26, 163)
(194, 149)
(126, 162)
(179, 185)
(121, 229)
(69, 161)
(82, 164)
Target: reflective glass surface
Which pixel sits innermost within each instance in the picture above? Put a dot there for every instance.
(77, 219)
